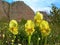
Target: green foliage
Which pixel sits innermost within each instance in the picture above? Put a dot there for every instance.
(55, 15)
(55, 26)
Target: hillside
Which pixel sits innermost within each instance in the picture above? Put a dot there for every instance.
(18, 10)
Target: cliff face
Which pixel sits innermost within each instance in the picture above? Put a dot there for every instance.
(21, 10)
(2, 13)
(18, 10)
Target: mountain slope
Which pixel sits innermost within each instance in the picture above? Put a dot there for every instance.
(18, 10)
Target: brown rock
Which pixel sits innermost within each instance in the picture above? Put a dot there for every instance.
(2, 13)
(18, 10)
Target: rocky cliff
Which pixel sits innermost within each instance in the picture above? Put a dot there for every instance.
(16, 10)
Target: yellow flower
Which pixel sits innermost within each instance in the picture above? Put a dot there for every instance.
(13, 27)
(44, 24)
(38, 17)
(44, 28)
(29, 27)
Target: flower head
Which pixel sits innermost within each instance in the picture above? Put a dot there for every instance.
(38, 17)
(44, 27)
(29, 27)
(13, 27)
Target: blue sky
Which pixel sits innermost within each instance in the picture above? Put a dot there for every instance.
(39, 5)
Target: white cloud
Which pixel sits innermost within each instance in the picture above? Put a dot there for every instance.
(27, 0)
(47, 9)
(42, 6)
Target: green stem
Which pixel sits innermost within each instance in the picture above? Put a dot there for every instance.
(29, 40)
(42, 40)
(45, 41)
(38, 41)
(14, 40)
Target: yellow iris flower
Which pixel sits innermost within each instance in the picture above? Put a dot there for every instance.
(44, 27)
(13, 27)
(38, 17)
(29, 27)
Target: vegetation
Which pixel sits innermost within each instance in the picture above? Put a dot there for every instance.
(55, 25)
(28, 32)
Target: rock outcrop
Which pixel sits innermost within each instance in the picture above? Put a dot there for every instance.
(18, 10)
